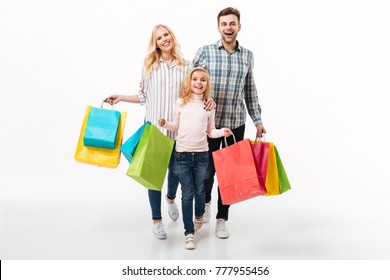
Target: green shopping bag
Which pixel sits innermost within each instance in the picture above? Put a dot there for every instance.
(151, 158)
(284, 184)
(276, 178)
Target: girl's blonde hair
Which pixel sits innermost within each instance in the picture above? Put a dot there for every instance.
(186, 92)
(152, 60)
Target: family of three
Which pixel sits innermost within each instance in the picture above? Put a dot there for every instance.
(199, 103)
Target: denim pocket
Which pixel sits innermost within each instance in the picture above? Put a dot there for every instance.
(203, 156)
(179, 156)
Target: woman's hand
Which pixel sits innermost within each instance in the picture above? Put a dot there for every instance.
(209, 104)
(113, 99)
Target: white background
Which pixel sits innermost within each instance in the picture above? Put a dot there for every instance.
(322, 69)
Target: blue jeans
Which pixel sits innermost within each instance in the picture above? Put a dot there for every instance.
(173, 183)
(192, 168)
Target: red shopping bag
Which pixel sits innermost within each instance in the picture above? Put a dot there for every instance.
(236, 172)
(260, 151)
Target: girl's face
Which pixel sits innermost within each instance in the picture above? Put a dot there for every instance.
(164, 40)
(198, 82)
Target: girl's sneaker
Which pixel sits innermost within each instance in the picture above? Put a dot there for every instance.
(189, 242)
(198, 222)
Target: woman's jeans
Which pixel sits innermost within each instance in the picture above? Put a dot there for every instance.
(173, 183)
(192, 168)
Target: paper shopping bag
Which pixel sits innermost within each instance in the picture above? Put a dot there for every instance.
(151, 158)
(276, 179)
(260, 151)
(100, 156)
(236, 173)
(102, 128)
(271, 180)
(128, 148)
(284, 183)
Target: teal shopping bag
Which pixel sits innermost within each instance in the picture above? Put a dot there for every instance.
(128, 148)
(151, 158)
(102, 128)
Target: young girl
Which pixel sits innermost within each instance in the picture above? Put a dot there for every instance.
(193, 125)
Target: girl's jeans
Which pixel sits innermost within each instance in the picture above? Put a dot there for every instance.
(192, 168)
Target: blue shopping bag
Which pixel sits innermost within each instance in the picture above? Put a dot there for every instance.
(102, 128)
(128, 148)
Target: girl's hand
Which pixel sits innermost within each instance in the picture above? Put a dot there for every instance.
(227, 132)
(161, 122)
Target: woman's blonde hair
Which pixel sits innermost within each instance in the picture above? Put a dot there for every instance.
(186, 92)
(152, 60)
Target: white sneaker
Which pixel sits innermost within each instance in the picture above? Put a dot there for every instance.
(173, 211)
(221, 230)
(207, 212)
(198, 223)
(189, 242)
(158, 231)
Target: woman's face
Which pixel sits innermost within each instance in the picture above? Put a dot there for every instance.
(164, 40)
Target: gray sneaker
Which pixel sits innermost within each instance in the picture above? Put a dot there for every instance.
(221, 230)
(173, 211)
(158, 231)
(207, 212)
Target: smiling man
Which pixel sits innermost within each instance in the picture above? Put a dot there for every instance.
(233, 89)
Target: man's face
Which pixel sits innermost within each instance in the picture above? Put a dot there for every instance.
(229, 27)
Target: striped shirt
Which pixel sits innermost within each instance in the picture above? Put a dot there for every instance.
(160, 90)
(232, 83)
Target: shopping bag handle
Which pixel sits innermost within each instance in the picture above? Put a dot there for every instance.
(112, 105)
(234, 138)
(260, 139)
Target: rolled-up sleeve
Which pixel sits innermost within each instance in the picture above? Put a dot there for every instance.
(251, 96)
(143, 89)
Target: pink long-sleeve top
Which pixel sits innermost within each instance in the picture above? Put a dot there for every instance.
(193, 124)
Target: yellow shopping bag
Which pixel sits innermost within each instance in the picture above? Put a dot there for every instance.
(271, 179)
(276, 181)
(100, 156)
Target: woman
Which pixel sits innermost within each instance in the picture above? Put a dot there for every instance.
(162, 74)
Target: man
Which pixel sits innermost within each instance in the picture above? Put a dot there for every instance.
(231, 69)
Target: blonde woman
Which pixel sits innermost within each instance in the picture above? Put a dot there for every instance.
(164, 70)
(193, 124)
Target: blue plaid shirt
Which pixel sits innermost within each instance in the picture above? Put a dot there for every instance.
(232, 83)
